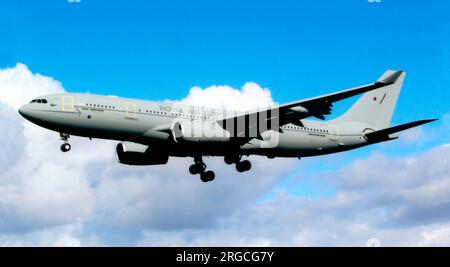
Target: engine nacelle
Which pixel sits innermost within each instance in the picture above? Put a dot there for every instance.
(198, 131)
(137, 154)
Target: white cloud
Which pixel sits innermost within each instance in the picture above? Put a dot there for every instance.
(19, 85)
(137, 197)
(439, 236)
(251, 96)
(11, 138)
(36, 189)
(405, 202)
(42, 189)
(57, 236)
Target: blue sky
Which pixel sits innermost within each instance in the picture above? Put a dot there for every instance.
(158, 50)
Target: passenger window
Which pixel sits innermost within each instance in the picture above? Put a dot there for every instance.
(44, 101)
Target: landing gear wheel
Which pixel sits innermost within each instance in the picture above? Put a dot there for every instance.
(207, 176)
(197, 168)
(230, 159)
(65, 138)
(193, 169)
(65, 147)
(243, 166)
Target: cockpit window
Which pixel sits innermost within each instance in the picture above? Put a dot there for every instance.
(40, 101)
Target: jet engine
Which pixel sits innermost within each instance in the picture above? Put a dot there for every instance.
(137, 154)
(198, 131)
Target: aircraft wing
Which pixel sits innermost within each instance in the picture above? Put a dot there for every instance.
(293, 112)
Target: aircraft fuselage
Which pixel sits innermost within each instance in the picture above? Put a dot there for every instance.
(107, 117)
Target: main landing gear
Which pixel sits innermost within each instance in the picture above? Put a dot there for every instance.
(241, 166)
(66, 146)
(199, 167)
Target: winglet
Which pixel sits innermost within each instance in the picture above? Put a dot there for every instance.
(390, 77)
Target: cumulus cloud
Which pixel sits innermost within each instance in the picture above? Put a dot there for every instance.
(155, 199)
(11, 136)
(58, 236)
(42, 189)
(397, 201)
(250, 97)
(86, 198)
(35, 188)
(19, 85)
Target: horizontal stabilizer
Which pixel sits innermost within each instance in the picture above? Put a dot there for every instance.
(383, 135)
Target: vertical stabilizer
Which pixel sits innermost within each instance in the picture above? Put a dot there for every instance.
(377, 107)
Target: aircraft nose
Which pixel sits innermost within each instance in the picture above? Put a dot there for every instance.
(25, 111)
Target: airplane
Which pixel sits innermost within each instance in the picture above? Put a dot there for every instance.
(152, 132)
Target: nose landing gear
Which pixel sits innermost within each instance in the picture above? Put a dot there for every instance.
(66, 146)
(199, 167)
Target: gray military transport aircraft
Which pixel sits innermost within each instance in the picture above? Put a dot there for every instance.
(151, 132)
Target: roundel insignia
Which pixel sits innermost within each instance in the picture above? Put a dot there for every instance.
(374, 98)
